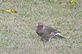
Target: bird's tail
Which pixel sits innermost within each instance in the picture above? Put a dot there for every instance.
(59, 35)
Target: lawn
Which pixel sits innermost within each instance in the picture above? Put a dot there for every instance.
(17, 30)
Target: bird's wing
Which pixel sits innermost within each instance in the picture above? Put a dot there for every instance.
(50, 29)
(53, 32)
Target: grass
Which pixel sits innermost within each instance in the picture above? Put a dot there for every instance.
(17, 30)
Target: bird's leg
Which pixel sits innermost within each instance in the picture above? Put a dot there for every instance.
(49, 39)
(42, 39)
(45, 39)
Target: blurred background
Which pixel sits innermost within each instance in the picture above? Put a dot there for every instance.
(17, 30)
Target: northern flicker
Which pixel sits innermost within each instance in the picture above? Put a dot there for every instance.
(47, 32)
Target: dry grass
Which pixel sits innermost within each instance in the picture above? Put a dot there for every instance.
(17, 30)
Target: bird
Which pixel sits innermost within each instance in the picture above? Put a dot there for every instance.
(46, 32)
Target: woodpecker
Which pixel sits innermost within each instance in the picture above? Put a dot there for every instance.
(47, 32)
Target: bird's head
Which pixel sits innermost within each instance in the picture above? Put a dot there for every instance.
(40, 25)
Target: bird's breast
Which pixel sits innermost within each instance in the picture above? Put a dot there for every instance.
(40, 32)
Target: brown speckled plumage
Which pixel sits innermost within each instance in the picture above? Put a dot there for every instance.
(46, 32)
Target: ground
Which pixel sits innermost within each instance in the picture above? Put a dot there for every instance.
(17, 30)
